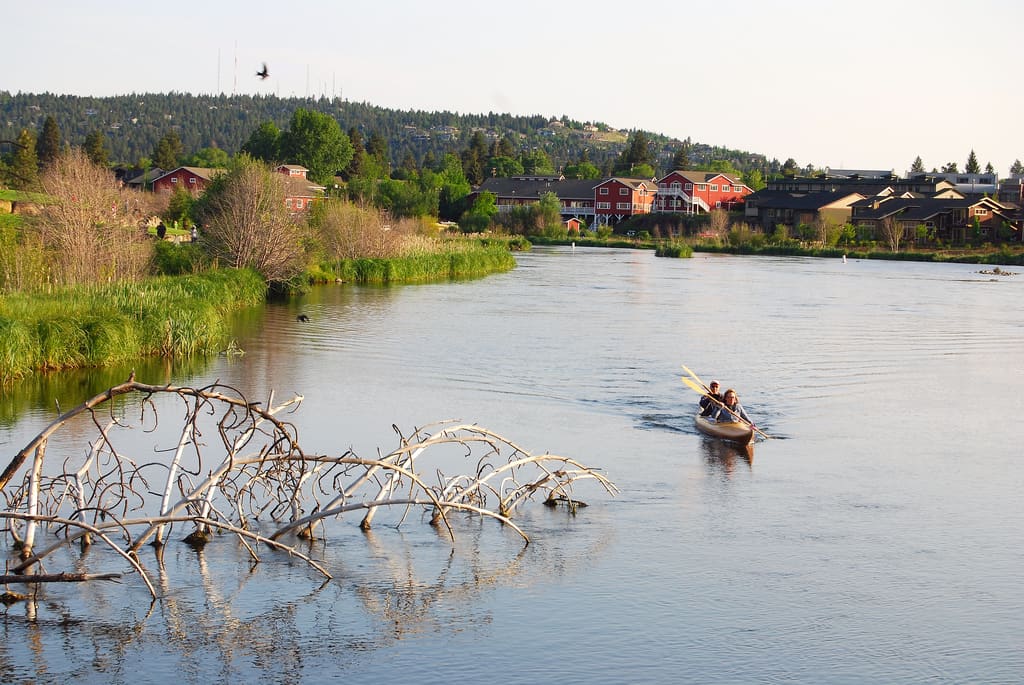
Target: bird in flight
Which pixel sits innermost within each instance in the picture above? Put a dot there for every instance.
(265, 73)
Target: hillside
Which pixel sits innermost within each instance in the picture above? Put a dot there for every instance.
(133, 124)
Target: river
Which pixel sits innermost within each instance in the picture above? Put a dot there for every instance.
(875, 538)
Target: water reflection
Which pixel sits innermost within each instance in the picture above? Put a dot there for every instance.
(722, 457)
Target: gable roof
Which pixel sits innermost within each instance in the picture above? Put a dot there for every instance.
(702, 176)
(533, 187)
(296, 186)
(205, 173)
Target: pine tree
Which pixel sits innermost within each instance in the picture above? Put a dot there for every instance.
(168, 151)
(24, 166)
(972, 164)
(48, 144)
(95, 148)
(681, 158)
(918, 166)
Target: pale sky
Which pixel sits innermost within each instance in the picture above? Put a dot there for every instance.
(867, 84)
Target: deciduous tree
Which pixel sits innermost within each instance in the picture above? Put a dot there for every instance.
(264, 143)
(245, 222)
(316, 141)
(892, 233)
(90, 225)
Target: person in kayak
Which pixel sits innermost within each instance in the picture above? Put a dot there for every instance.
(731, 410)
(711, 402)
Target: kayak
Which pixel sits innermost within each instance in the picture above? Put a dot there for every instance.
(733, 431)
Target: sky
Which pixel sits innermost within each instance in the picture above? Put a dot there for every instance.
(846, 85)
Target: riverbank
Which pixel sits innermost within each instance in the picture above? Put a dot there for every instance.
(1005, 254)
(99, 325)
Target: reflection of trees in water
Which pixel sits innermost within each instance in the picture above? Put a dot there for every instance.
(721, 456)
(241, 618)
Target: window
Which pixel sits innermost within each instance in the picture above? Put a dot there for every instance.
(288, 203)
(702, 186)
(603, 191)
(603, 205)
(174, 179)
(980, 211)
(689, 186)
(725, 188)
(192, 180)
(675, 185)
(714, 187)
(623, 191)
(298, 204)
(718, 204)
(622, 205)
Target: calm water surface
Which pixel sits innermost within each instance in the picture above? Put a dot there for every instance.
(877, 538)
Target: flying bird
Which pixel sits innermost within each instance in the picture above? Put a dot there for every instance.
(265, 73)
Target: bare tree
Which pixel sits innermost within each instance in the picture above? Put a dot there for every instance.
(892, 231)
(246, 223)
(718, 222)
(826, 230)
(230, 463)
(89, 225)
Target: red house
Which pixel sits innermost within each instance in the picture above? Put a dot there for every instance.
(617, 199)
(694, 192)
(299, 192)
(191, 178)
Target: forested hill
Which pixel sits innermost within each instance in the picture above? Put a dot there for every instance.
(133, 124)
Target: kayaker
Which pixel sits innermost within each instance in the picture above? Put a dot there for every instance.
(731, 409)
(710, 402)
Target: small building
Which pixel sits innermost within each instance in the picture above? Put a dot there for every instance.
(191, 178)
(300, 192)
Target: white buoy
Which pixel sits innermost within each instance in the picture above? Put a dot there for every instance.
(844, 259)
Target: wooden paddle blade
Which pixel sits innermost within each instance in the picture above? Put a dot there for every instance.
(693, 386)
(694, 376)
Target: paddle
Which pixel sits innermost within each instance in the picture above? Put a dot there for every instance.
(703, 390)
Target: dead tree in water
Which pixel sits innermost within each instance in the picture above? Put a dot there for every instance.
(235, 466)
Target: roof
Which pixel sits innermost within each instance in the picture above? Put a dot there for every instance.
(781, 199)
(633, 183)
(295, 186)
(147, 176)
(204, 173)
(534, 187)
(703, 176)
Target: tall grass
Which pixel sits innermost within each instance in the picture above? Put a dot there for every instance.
(447, 260)
(99, 325)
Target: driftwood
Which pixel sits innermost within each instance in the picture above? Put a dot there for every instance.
(232, 466)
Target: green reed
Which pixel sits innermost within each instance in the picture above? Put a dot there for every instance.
(100, 325)
(456, 259)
